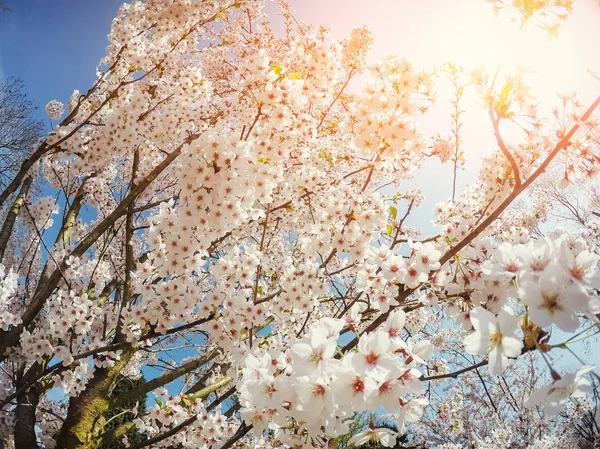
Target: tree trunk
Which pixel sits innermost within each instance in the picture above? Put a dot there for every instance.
(85, 420)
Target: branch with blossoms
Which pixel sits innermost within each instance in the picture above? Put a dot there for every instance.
(560, 145)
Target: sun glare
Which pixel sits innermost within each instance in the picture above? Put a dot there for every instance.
(499, 45)
(551, 65)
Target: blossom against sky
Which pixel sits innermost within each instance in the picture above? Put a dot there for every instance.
(55, 46)
(429, 33)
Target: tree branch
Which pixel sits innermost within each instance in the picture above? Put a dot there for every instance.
(164, 379)
(11, 217)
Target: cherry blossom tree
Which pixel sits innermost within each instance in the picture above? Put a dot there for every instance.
(587, 427)
(486, 411)
(227, 218)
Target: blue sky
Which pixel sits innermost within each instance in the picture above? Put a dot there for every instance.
(54, 46)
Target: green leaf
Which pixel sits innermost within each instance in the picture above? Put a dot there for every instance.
(394, 212)
(277, 69)
(159, 402)
(389, 230)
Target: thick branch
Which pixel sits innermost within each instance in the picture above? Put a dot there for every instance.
(58, 367)
(241, 432)
(504, 149)
(11, 217)
(166, 378)
(210, 388)
(64, 234)
(129, 262)
(24, 414)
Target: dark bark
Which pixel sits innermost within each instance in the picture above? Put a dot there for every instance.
(27, 402)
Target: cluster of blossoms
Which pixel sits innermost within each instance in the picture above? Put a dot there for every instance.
(39, 215)
(423, 260)
(307, 392)
(552, 278)
(443, 148)
(207, 430)
(556, 277)
(9, 284)
(55, 109)
(385, 112)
